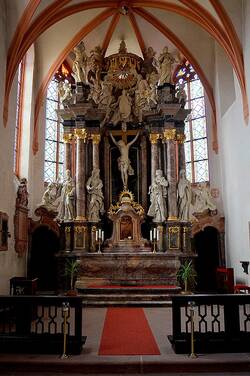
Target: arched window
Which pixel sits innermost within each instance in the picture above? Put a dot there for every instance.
(54, 148)
(196, 153)
(19, 112)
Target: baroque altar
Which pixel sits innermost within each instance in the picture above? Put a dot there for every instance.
(124, 207)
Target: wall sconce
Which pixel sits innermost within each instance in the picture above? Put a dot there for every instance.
(245, 265)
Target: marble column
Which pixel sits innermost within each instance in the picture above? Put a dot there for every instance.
(96, 138)
(81, 137)
(67, 139)
(170, 140)
(153, 137)
(181, 151)
(144, 176)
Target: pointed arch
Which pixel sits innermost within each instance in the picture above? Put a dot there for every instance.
(77, 38)
(178, 43)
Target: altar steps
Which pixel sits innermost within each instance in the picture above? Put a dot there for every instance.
(127, 296)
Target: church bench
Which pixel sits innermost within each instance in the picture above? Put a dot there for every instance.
(35, 324)
(221, 323)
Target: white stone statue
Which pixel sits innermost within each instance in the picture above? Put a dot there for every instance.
(181, 94)
(66, 210)
(95, 196)
(166, 61)
(79, 68)
(184, 198)
(124, 163)
(95, 62)
(203, 199)
(65, 93)
(158, 196)
(51, 196)
(123, 110)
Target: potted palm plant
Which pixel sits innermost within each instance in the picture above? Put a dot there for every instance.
(71, 270)
(187, 276)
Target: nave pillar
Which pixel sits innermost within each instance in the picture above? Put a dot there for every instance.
(153, 137)
(169, 137)
(81, 139)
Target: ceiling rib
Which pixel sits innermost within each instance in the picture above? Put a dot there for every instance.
(110, 32)
(137, 32)
(179, 44)
(95, 22)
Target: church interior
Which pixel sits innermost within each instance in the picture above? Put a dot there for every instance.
(125, 185)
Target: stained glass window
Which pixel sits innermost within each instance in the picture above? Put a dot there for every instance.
(54, 148)
(18, 123)
(196, 153)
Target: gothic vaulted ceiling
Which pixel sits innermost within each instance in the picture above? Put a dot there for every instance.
(189, 26)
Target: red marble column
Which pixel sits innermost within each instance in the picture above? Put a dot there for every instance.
(81, 137)
(96, 138)
(170, 140)
(67, 139)
(154, 154)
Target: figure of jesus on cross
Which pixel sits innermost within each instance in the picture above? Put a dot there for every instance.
(124, 163)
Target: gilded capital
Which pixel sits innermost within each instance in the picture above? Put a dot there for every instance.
(169, 134)
(81, 134)
(153, 137)
(180, 138)
(96, 138)
(67, 138)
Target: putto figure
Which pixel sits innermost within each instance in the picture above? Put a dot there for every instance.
(124, 163)
(95, 196)
(158, 196)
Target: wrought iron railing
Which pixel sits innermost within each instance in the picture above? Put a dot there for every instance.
(221, 323)
(36, 324)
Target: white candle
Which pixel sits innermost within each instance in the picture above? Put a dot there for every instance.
(96, 235)
(154, 237)
(151, 235)
(103, 236)
(157, 235)
(100, 234)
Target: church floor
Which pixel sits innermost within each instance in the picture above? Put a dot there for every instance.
(89, 362)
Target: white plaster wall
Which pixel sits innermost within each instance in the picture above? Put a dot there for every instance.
(10, 264)
(234, 141)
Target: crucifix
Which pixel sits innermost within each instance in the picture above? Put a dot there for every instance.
(124, 163)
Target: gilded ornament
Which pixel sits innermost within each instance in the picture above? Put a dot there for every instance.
(169, 134)
(174, 230)
(96, 138)
(180, 138)
(81, 134)
(68, 138)
(126, 197)
(80, 218)
(79, 229)
(153, 137)
(67, 229)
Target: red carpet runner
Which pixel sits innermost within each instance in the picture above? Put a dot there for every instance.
(126, 332)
